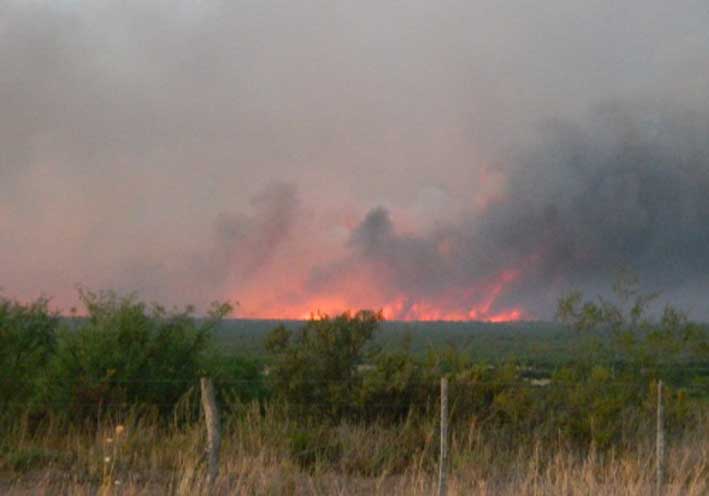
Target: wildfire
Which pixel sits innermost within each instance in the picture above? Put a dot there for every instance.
(481, 305)
(395, 310)
(409, 274)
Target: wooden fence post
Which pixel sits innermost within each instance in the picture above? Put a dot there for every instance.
(443, 463)
(211, 417)
(660, 453)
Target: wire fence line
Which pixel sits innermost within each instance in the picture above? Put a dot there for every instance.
(428, 389)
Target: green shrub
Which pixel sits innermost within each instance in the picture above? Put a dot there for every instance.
(393, 385)
(27, 341)
(239, 380)
(315, 369)
(126, 354)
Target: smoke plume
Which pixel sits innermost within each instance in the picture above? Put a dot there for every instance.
(450, 159)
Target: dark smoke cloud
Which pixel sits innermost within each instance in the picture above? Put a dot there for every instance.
(411, 261)
(629, 189)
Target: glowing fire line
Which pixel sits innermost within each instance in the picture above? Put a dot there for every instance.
(403, 307)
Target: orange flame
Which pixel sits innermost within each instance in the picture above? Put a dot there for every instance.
(358, 293)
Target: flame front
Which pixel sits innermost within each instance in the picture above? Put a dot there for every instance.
(480, 306)
(410, 271)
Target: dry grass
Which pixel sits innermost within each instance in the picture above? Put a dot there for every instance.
(141, 458)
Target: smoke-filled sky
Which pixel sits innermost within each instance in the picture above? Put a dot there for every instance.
(452, 159)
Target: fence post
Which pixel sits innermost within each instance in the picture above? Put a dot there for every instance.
(443, 463)
(660, 453)
(211, 417)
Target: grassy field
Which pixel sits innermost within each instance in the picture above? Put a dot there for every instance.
(141, 457)
(489, 342)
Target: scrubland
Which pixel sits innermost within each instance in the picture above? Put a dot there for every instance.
(109, 404)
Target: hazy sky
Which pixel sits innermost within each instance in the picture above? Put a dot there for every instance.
(440, 155)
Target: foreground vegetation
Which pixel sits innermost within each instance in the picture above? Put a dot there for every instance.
(108, 403)
(261, 454)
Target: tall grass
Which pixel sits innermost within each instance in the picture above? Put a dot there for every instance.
(267, 452)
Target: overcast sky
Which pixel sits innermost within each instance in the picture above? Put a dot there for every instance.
(281, 153)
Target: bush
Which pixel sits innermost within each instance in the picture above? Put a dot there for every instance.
(394, 385)
(637, 341)
(27, 341)
(315, 369)
(238, 380)
(126, 354)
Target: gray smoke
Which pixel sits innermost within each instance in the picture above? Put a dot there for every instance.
(241, 245)
(244, 244)
(133, 136)
(628, 189)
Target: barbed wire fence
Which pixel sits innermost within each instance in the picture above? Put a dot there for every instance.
(208, 389)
